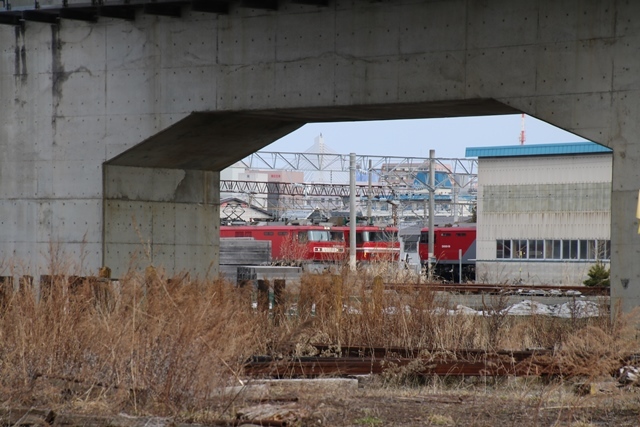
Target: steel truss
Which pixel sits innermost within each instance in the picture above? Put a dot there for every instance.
(398, 179)
(390, 169)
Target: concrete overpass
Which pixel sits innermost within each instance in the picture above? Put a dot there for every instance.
(118, 115)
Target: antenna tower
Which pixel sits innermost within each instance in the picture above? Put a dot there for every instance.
(523, 136)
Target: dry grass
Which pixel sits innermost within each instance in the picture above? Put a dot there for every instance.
(151, 345)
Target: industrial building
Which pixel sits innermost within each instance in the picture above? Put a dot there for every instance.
(544, 212)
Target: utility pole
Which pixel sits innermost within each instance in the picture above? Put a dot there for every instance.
(432, 192)
(455, 200)
(369, 196)
(352, 212)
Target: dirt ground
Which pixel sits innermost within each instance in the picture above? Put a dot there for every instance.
(512, 402)
(376, 401)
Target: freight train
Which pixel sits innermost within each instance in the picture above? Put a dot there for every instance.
(291, 244)
(454, 247)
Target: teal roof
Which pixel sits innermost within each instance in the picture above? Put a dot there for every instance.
(560, 149)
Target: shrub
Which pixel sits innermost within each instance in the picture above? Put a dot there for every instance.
(598, 276)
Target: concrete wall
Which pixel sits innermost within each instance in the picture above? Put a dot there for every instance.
(77, 95)
(168, 218)
(553, 197)
(513, 272)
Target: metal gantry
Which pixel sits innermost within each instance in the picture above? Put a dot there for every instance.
(402, 180)
(389, 169)
(303, 189)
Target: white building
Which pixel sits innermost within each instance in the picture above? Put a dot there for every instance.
(543, 212)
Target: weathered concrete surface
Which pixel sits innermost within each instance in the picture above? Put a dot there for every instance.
(168, 218)
(78, 95)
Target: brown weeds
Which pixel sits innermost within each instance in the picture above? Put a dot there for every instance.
(153, 344)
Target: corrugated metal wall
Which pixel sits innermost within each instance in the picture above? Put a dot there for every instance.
(562, 197)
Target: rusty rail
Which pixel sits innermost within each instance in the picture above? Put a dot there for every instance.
(365, 361)
(461, 354)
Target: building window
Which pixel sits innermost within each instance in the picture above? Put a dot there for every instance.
(553, 249)
(520, 249)
(536, 249)
(588, 249)
(604, 249)
(549, 249)
(570, 249)
(503, 249)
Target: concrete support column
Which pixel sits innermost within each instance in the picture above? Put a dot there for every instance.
(625, 268)
(167, 218)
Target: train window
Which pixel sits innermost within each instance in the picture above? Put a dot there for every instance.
(302, 236)
(379, 236)
(389, 236)
(243, 234)
(410, 246)
(337, 236)
(445, 234)
(318, 235)
(362, 237)
(424, 237)
(461, 234)
(282, 233)
(268, 233)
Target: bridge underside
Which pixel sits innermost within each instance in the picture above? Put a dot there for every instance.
(212, 141)
(114, 128)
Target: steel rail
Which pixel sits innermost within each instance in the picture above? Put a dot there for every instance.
(474, 288)
(343, 366)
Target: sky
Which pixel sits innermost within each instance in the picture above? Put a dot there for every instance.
(414, 138)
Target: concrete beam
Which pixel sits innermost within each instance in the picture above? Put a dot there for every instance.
(213, 141)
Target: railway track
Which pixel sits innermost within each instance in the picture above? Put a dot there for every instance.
(352, 361)
(497, 289)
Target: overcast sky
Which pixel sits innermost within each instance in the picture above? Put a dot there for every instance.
(414, 138)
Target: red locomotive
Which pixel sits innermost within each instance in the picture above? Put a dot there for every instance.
(453, 247)
(294, 243)
(374, 243)
(298, 243)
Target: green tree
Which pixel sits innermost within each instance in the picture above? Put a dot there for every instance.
(598, 275)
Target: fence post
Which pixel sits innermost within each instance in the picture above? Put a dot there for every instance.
(278, 301)
(263, 295)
